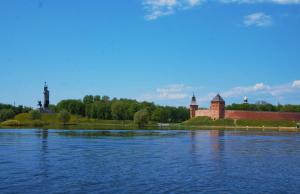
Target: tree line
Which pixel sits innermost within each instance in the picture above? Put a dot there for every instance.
(8, 111)
(102, 107)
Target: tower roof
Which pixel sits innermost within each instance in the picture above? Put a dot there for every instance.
(194, 101)
(218, 98)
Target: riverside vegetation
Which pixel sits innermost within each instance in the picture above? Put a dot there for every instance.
(96, 111)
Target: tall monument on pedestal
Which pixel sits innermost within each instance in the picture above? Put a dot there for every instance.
(45, 107)
(46, 96)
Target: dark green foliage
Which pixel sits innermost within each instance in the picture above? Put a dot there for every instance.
(119, 110)
(141, 118)
(6, 106)
(97, 98)
(16, 109)
(103, 108)
(35, 115)
(170, 114)
(149, 106)
(73, 106)
(289, 108)
(21, 109)
(64, 116)
(264, 107)
(53, 108)
(88, 99)
(6, 114)
(160, 115)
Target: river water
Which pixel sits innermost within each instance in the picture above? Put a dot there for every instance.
(140, 161)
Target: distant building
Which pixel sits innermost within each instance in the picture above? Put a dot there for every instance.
(217, 111)
(245, 100)
(193, 106)
(217, 107)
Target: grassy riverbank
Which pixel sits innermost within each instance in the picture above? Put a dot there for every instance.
(52, 119)
(77, 122)
(229, 123)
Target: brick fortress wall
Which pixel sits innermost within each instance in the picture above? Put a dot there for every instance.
(217, 111)
(253, 115)
(256, 115)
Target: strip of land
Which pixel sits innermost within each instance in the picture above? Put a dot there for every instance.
(23, 120)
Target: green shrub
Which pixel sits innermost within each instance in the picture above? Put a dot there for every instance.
(11, 123)
(64, 116)
(35, 115)
(141, 118)
(22, 117)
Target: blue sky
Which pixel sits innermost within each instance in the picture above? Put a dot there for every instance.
(154, 50)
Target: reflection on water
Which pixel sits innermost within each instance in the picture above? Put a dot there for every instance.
(214, 136)
(141, 161)
(119, 133)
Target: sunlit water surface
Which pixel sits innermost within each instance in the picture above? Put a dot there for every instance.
(89, 161)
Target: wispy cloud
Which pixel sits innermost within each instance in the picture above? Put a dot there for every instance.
(180, 94)
(158, 8)
(262, 1)
(169, 92)
(258, 19)
(259, 90)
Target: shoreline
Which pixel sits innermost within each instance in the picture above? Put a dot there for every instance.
(107, 126)
(245, 128)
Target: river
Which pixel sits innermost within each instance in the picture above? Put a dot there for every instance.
(148, 161)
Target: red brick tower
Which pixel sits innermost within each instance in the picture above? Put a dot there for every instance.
(217, 107)
(193, 107)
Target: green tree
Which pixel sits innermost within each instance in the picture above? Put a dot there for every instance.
(105, 98)
(183, 114)
(141, 118)
(64, 116)
(119, 110)
(132, 109)
(6, 114)
(88, 99)
(35, 115)
(149, 106)
(72, 106)
(53, 107)
(97, 98)
(160, 114)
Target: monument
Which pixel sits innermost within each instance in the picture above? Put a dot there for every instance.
(45, 107)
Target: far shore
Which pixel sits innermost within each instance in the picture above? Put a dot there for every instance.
(294, 129)
(107, 126)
